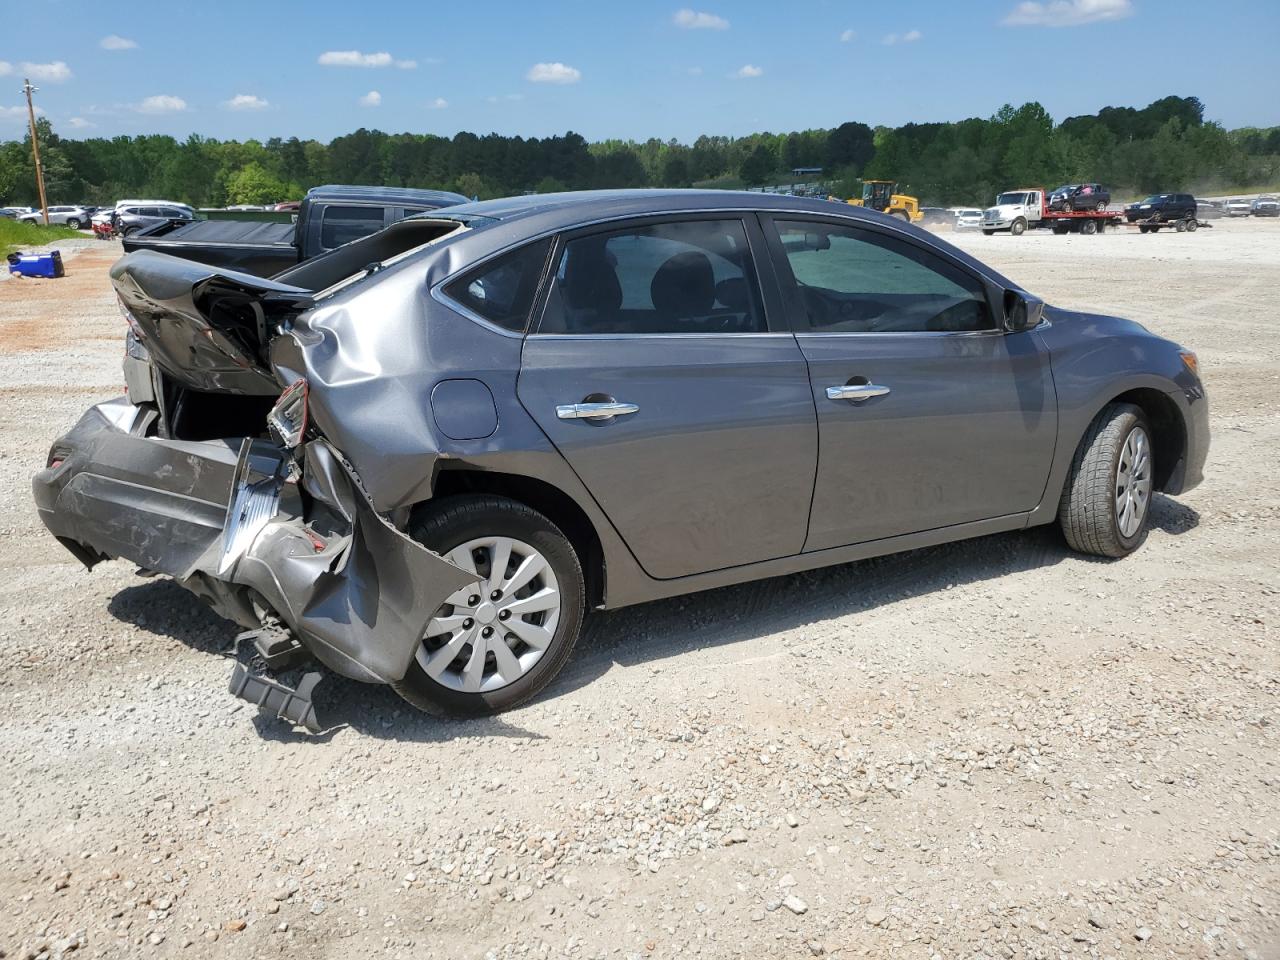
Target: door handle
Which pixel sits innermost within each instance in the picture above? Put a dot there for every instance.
(857, 392)
(595, 411)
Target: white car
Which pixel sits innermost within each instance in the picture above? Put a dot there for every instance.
(73, 217)
(1239, 207)
(968, 218)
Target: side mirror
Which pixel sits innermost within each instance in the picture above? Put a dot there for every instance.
(1021, 311)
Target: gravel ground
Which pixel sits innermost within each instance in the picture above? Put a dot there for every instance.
(989, 749)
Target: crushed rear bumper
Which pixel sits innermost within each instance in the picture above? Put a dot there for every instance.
(239, 525)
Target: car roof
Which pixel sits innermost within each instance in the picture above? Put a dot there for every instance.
(559, 211)
(500, 224)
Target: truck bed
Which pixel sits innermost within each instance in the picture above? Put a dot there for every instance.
(251, 246)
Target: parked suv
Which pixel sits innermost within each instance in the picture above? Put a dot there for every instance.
(1080, 196)
(131, 220)
(1162, 206)
(1237, 207)
(73, 217)
(1266, 207)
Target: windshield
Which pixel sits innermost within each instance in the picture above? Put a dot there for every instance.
(1010, 198)
(1155, 198)
(1065, 188)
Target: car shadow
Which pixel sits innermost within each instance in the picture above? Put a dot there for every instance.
(641, 634)
(162, 607)
(666, 628)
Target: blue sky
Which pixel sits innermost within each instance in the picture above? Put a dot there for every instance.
(619, 68)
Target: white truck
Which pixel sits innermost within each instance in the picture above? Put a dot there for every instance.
(1028, 208)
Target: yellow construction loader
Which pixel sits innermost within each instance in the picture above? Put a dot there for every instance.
(883, 195)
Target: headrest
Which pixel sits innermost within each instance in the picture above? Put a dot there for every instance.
(684, 286)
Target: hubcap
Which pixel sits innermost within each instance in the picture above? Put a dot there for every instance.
(1133, 482)
(476, 645)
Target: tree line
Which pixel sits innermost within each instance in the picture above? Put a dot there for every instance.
(1165, 146)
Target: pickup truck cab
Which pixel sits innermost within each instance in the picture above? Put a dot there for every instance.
(328, 217)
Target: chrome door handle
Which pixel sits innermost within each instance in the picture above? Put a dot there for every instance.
(857, 392)
(595, 411)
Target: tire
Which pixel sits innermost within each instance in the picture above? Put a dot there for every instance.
(453, 523)
(988, 233)
(1192, 226)
(1089, 227)
(905, 215)
(1181, 226)
(130, 231)
(1144, 229)
(1102, 205)
(73, 223)
(1018, 228)
(1060, 228)
(1091, 513)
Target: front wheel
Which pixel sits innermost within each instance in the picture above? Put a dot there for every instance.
(73, 223)
(1105, 505)
(1019, 227)
(495, 643)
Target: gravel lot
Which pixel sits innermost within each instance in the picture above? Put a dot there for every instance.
(989, 749)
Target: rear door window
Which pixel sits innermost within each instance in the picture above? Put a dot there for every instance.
(693, 276)
(342, 224)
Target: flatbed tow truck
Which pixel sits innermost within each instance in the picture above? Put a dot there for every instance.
(1027, 208)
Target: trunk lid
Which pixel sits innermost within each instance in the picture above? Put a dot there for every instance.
(205, 327)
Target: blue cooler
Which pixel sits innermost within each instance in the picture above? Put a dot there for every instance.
(36, 264)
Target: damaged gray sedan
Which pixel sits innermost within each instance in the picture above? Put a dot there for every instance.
(423, 456)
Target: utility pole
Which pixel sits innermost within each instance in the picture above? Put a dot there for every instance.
(28, 89)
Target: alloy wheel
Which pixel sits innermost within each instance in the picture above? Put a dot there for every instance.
(1133, 482)
(491, 633)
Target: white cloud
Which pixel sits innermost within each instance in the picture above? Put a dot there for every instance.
(15, 113)
(694, 71)
(1067, 13)
(748, 72)
(688, 19)
(911, 36)
(371, 99)
(439, 103)
(6, 68)
(354, 58)
(847, 36)
(245, 101)
(79, 123)
(55, 72)
(553, 73)
(161, 103)
(113, 41)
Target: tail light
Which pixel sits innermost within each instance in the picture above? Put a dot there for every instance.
(287, 420)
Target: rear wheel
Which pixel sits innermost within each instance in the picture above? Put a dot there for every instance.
(1192, 226)
(1089, 227)
(497, 642)
(1106, 502)
(1102, 205)
(1019, 227)
(73, 223)
(130, 231)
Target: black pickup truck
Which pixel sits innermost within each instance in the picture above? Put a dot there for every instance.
(329, 217)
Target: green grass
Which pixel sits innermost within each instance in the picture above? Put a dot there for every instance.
(20, 236)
